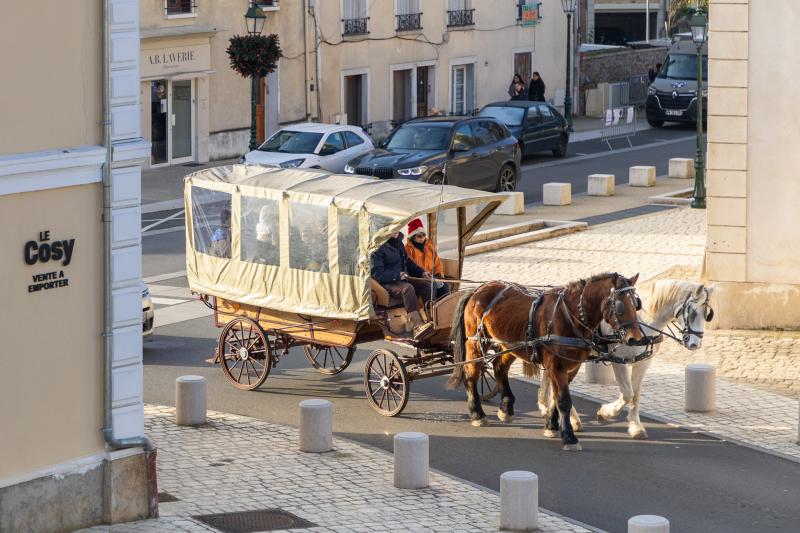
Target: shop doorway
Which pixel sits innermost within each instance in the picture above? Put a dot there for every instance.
(172, 121)
(355, 96)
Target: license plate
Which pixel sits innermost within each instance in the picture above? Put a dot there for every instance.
(673, 112)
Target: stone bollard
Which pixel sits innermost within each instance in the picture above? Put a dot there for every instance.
(601, 185)
(682, 168)
(519, 500)
(513, 205)
(642, 177)
(557, 193)
(700, 388)
(648, 523)
(316, 426)
(411, 460)
(190, 401)
(598, 373)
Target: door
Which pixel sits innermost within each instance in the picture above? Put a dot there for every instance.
(523, 65)
(353, 99)
(463, 166)
(422, 91)
(534, 131)
(550, 127)
(159, 130)
(333, 153)
(459, 92)
(181, 130)
(401, 94)
(490, 157)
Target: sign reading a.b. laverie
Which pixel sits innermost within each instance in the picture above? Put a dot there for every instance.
(48, 250)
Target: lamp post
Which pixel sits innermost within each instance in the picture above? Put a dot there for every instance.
(569, 9)
(699, 36)
(254, 18)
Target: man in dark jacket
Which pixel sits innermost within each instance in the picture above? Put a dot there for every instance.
(391, 267)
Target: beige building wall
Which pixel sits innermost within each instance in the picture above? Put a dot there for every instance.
(51, 372)
(51, 86)
(753, 248)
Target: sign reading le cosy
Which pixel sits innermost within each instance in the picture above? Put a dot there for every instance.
(45, 251)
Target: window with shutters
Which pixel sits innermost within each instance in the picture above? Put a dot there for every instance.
(355, 20)
(460, 13)
(409, 15)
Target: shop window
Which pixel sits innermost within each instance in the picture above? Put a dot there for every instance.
(308, 237)
(211, 222)
(259, 234)
(180, 7)
(348, 242)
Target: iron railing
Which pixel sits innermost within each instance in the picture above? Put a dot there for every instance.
(460, 17)
(355, 26)
(409, 22)
(180, 7)
(267, 3)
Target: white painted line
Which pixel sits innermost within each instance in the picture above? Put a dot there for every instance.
(163, 231)
(166, 205)
(167, 301)
(169, 291)
(164, 277)
(154, 224)
(181, 313)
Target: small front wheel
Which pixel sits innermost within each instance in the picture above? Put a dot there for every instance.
(329, 360)
(561, 148)
(507, 180)
(386, 383)
(655, 123)
(245, 353)
(487, 383)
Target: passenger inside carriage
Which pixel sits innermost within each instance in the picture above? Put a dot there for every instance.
(421, 250)
(391, 267)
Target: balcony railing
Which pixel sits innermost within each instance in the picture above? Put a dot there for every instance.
(269, 5)
(180, 7)
(409, 22)
(355, 26)
(460, 17)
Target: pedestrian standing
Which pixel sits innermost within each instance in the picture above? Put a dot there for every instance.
(536, 89)
(512, 87)
(652, 73)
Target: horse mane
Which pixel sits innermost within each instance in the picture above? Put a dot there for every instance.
(578, 284)
(666, 295)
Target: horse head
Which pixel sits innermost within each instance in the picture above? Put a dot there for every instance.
(692, 314)
(620, 308)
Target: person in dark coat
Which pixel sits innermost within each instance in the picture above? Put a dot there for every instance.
(536, 88)
(652, 74)
(391, 267)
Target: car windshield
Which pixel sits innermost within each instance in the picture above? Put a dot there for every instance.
(683, 67)
(292, 142)
(420, 137)
(510, 116)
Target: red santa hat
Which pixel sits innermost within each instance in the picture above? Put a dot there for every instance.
(414, 227)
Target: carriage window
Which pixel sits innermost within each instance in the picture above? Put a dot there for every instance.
(308, 234)
(348, 242)
(377, 223)
(447, 234)
(211, 222)
(260, 235)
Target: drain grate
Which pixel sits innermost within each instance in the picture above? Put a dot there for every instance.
(251, 521)
(166, 497)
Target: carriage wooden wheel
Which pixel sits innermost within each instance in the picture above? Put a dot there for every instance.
(245, 353)
(487, 384)
(386, 382)
(329, 359)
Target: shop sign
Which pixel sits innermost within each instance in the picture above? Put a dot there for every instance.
(175, 59)
(51, 252)
(531, 13)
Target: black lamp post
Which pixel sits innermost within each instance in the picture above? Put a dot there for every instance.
(569, 9)
(699, 36)
(254, 18)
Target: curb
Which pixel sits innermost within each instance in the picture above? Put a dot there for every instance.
(548, 229)
(681, 197)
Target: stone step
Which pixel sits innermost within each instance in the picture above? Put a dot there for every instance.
(539, 230)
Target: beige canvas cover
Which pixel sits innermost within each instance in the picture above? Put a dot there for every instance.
(300, 240)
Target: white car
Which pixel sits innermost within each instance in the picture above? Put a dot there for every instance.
(311, 145)
(148, 312)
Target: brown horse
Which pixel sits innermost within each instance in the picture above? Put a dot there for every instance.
(553, 329)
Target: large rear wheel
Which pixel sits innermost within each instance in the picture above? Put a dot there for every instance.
(507, 180)
(386, 383)
(487, 384)
(329, 360)
(245, 354)
(561, 148)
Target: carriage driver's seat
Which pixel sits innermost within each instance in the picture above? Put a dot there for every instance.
(380, 296)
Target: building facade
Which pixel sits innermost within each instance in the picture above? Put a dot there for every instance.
(622, 21)
(753, 246)
(72, 419)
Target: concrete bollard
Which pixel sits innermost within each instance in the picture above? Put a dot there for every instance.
(700, 388)
(519, 500)
(642, 176)
(316, 426)
(411, 460)
(598, 373)
(601, 185)
(513, 205)
(682, 168)
(648, 523)
(190, 401)
(557, 193)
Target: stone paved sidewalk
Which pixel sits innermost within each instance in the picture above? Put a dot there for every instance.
(237, 463)
(758, 372)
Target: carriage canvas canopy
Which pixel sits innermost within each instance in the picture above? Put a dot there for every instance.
(299, 241)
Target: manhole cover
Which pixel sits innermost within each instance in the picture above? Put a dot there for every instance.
(251, 521)
(166, 497)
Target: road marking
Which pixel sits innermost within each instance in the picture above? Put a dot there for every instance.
(181, 313)
(580, 154)
(164, 277)
(154, 224)
(167, 301)
(176, 229)
(167, 205)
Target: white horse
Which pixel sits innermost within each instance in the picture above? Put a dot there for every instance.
(683, 303)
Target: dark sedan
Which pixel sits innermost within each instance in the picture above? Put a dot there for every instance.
(537, 126)
(479, 153)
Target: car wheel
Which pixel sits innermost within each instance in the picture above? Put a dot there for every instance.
(437, 179)
(507, 180)
(561, 149)
(655, 123)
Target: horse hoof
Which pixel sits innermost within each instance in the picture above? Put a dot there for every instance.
(577, 428)
(550, 433)
(638, 435)
(503, 417)
(572, 447)
(480, 422)
(603, 417)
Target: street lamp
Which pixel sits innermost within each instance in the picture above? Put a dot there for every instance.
(254, 19)
(569, 9)
(699, 36)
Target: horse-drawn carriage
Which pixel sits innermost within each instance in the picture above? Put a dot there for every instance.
(283, 258)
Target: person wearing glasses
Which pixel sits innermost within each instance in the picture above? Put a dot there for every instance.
(421, 250)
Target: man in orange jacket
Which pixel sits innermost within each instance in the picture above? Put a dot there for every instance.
(421, 250)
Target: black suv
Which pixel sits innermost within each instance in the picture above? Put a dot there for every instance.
(479, 153)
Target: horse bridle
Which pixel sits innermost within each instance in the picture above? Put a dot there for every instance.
(617, 305)
(683, 313)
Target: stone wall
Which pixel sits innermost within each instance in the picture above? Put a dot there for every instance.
(619, 64)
